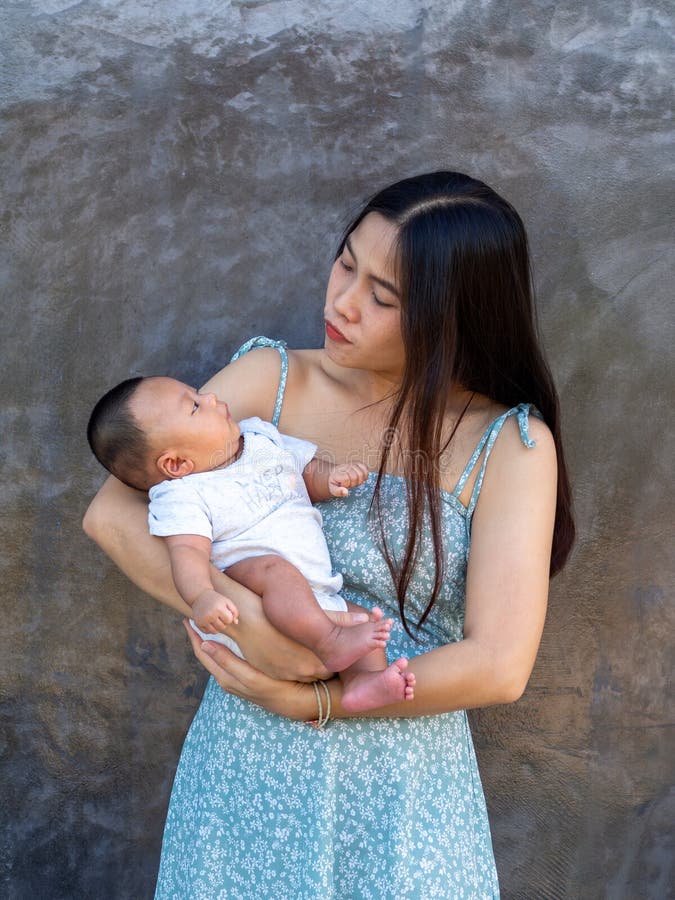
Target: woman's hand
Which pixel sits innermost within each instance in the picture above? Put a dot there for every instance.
(293, 699)
(267, 649)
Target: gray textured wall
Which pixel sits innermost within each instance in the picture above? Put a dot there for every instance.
(174, 174)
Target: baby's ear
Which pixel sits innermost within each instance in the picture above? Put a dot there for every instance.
(172, 466)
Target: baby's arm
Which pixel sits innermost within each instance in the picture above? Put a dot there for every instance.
(324, 481)
(190, 565)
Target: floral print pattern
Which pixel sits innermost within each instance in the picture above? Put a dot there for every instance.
(366, 809)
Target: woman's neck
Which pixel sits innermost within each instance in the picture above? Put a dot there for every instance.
(367, 386)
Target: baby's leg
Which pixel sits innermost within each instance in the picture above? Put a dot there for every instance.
(291, 606)
(370, 683)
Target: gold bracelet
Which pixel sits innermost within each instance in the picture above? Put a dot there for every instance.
(322, 720)
(328, 704)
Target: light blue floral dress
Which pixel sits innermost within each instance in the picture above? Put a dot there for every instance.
(265, 808)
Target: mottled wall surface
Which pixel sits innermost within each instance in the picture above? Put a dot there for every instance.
(174, 175)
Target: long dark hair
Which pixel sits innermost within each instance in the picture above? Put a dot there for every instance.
(467, 307)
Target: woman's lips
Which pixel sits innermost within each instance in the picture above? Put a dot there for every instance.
(335, 335)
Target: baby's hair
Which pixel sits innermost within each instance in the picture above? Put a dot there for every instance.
(116, 439)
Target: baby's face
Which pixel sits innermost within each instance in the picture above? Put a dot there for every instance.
(179, 420)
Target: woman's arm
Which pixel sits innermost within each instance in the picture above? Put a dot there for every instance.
(507, 589)
(117, 520)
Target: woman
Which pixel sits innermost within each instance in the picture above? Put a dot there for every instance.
(430, 362)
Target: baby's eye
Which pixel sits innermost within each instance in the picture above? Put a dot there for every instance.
(195, 407)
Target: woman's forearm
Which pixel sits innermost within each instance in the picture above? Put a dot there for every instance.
(457, 676)
(117, 520)
(463, 675)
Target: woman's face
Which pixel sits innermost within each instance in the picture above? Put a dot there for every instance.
(363, 307)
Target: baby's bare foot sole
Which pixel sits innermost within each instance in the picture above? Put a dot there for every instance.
(344, 646)
(370, 690)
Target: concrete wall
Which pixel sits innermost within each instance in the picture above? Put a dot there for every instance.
(174, 176)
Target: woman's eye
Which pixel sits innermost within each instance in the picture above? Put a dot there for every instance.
(345, 265)
(381, 302)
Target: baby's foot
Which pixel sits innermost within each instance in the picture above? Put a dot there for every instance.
(343, 646)
(370, 690)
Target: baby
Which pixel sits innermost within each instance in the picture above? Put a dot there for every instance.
(240, 495)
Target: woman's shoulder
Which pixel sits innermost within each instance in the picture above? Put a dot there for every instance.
(526, 427)
(250, 383)
(523, 448)
(486, 414)
(508, 435)
(265, 359)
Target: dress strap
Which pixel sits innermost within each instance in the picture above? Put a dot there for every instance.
(261, 341)
(487, 442)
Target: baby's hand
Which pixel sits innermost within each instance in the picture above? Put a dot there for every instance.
(346, 476)
(212, 612)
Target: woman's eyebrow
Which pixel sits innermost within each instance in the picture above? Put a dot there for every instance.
(385, 284)
(376, 278)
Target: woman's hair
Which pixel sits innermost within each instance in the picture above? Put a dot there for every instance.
(467, 309)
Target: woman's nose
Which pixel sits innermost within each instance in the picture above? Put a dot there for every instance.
(346, 303)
